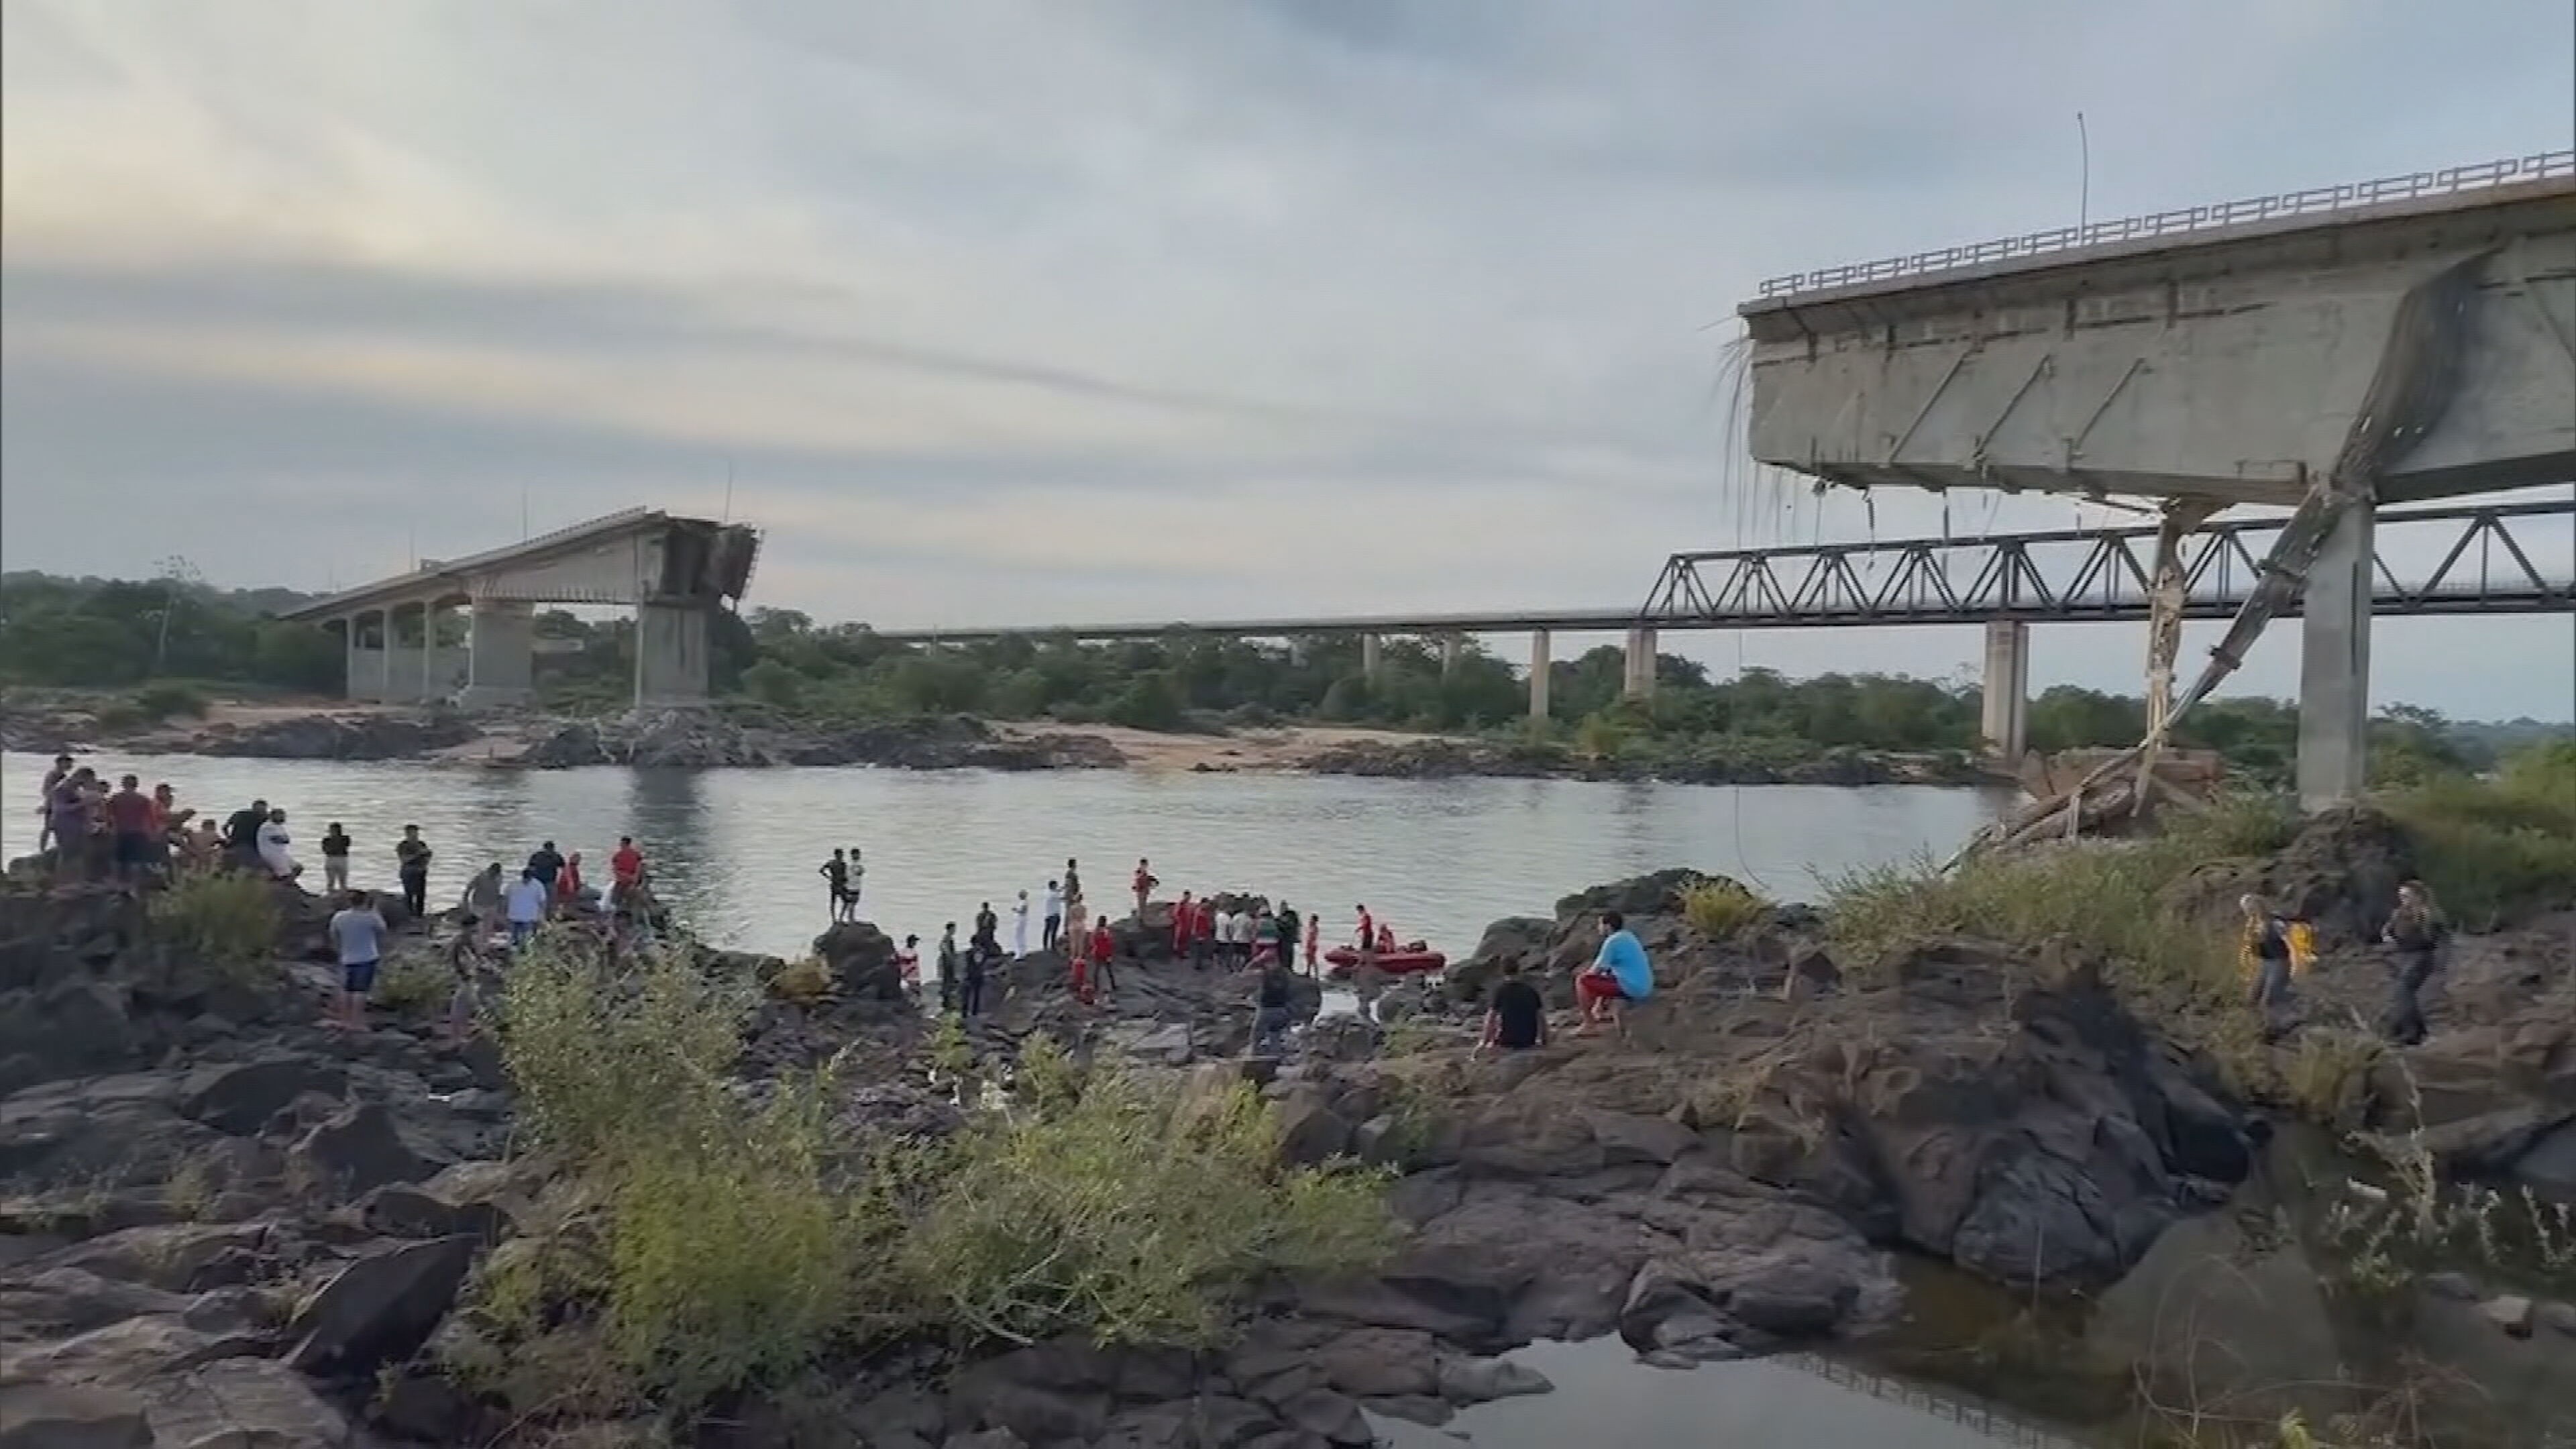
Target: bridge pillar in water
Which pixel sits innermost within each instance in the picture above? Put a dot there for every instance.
(1542, 664)
(670, 655)
(1453, 652)
(2334, 665)
(1372, 658)
(501, 654)
(1640, 683)
(2005, 720)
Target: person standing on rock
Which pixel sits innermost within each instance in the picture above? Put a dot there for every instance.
(948, 967)
(1288, 935)
(1619, 973)
(1072, 883)
(979, 959)
(545, 863)
(273, 843)
(1222, 930)
(2267, 951)
(988, 928)
(129, 816)
(411, 867)
(907, 967)
(359, 933)
(335, 858)
(1104, 955)
(1270, 1010)
(2416, 932)
(525, 903)
(1020, 928)
(625, 870)
(1368, 935)
(858, 879)
(1052, 924)
(55, 775)
(1314, 944)
(836, 874)
(569, 885)
(1144, 884)
(1182, 912)
(241, 834)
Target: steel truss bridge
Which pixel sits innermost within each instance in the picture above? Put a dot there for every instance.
(2461, 559)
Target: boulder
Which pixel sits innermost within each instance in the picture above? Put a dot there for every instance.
(860, 959)
(71, 1028)
(1465, 1381)
(35, 1415)
(240, 1097)
(401, 1210)
(1310, 1131)
(382, 1306)
(173, 1257)
(356, 1151)
(247, 1402)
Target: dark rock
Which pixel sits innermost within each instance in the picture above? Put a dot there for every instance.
(424, 1406)
(174, 1257)
(66, 1301)
(1629, 1137)
(368, 736)
(36, 1415)
(861, 960)
(1330, 1416)
(400, 1210)
(1476, 1381)
(382, 1306)
(71, 1028)
(1309, 1132)
(255, 1403)
(240, 1097)
(358, 1150)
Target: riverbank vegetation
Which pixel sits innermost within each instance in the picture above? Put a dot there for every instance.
(708, 1236)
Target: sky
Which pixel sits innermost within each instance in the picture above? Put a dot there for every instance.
(1002, 311)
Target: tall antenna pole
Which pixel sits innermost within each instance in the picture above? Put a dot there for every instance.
(2084, 193)
(728, 504)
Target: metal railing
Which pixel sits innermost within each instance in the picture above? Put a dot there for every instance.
(2320, 200)
(2097, 574)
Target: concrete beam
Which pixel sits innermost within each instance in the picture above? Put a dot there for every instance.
(2334, 666)
(1640, 683)
(501, 668)
(1542, 666)
(2005, 717)
(672, 667)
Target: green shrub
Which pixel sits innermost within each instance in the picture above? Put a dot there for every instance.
(1116, 1212)
(1720, 907)
(168, 700)
(2493, 849)
(226, 923)
(413, 988)
(610, 1061)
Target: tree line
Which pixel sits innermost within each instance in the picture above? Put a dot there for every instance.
(114, 633)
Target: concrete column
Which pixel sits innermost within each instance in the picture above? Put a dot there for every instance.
(2005, 720)
(1542, 664)
(1372, 658)
(1453, 653)
(2334, 666)
(349, 657)
(670, 655)
(500, 660)
(1641, 664)
(374, 677)
(428, 652)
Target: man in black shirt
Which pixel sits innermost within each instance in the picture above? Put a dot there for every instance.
(241, 833)
(545, 865)
(1516, 1020)
(411, 862)
(1270, 1010)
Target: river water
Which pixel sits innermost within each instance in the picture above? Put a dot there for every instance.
(735, 851)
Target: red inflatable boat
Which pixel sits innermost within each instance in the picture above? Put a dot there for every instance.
(1409, 961)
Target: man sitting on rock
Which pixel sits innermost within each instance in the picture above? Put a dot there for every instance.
(1619, 973)
(1516, 1018)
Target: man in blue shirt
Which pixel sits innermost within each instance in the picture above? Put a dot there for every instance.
(1619, 973)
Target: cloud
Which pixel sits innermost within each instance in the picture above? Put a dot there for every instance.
(996, 309)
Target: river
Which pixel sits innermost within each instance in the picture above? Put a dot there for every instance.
(735, 852)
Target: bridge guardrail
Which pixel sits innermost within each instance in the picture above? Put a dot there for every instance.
(2317, 200)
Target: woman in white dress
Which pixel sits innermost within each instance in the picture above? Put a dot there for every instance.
(273, 841)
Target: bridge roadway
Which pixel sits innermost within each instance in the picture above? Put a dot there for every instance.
(2474, 564)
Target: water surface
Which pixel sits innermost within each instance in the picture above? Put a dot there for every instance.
(735, 851)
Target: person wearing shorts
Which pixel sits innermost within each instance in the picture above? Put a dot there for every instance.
(359, 933)
(130, 814)
(1619, 973)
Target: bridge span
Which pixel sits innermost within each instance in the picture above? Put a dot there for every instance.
(2459, 559)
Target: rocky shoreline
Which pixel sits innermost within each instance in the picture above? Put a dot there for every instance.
(221, 1220)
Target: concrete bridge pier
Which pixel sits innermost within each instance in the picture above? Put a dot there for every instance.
(2334, 665)
(1641, 664)
(501, 655)
(1542, 663)
(671, 663)
(2005, 721)
(1372, 658)
(1453, 653)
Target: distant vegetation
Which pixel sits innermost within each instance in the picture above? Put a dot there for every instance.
(109, 634)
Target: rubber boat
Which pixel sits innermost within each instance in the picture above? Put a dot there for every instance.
(1412, 959)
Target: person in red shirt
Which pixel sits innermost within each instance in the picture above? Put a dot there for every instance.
(1104, 955)
(568, 881)
(1078, 963)
(130, 815)
(625, 868)
(1184, 921)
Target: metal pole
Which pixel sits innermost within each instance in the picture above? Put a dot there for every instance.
(2084, 194)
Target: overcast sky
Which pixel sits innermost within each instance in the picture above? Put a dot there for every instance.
(998, 312)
